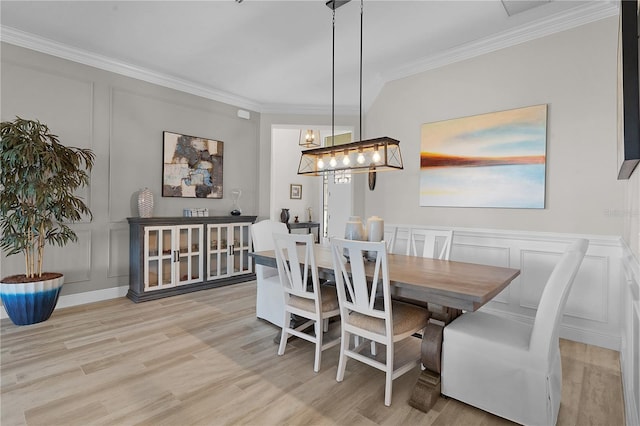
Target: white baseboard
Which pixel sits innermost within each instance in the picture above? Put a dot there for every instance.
(84, 298)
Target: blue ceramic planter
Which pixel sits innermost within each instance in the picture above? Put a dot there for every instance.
(30, 303)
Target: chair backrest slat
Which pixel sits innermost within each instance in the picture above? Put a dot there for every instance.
(355, 292)
(431, 237)
(390, 240)
(293, 268)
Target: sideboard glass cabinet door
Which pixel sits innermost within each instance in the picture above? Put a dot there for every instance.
(228, 250)
(173, 256)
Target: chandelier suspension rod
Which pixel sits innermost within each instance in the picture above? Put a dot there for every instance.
(361, 136)
(333, 77)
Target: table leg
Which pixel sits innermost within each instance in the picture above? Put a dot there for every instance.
(427, 389)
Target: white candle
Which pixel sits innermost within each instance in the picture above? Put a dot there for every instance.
(375, 228)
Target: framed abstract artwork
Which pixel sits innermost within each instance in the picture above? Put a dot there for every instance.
(192, 166)
(488, 160)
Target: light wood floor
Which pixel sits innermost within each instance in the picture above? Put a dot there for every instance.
(203, 358)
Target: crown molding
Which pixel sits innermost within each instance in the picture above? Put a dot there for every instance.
(308, 109)
(562, 21)
(50, 47)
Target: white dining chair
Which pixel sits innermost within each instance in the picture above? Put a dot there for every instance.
(434, 244)
(390, 236)
(316, 303)
(377, 320)
(431, 240)
(269, 300)
(510, 368)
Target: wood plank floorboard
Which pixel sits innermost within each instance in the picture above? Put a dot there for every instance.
(204, 359)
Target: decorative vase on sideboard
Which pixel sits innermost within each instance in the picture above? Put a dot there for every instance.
(145, 203)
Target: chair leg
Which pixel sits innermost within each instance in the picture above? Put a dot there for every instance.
(389, 376)
(325, 325)
(374, 351)
(284, 336)
(342, 362)
(318, 330)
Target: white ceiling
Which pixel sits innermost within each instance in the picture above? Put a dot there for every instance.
(275, 56)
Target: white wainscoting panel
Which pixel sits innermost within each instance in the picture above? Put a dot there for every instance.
(630, 351)
(486, 255)
(535, 267)
(589, 298)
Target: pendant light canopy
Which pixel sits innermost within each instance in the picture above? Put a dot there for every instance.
(370, 155)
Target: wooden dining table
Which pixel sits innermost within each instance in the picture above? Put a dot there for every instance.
(445, 287)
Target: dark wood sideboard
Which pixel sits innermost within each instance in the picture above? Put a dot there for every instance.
(175, 255)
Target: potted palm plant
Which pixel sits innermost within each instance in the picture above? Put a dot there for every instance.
(38, 180)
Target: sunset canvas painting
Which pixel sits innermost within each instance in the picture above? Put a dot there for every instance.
(489, 160)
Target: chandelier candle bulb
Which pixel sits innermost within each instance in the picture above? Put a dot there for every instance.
(345, 159)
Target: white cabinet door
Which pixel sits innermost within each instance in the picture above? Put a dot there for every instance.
(172, 256)
(217, 251)
(159, 257)
(240, 247)
(228, 247)
(190, 254)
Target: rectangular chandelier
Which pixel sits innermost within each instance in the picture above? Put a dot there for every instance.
(378, 154)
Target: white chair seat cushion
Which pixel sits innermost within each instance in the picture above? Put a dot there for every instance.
(329, 300)
(406, 318)
(482, 328)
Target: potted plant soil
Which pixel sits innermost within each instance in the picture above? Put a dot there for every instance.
(38, 180)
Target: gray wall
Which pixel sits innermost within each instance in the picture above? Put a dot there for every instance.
(574, 73)
(122, 120)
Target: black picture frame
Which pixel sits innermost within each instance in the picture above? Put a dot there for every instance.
(628, 90)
